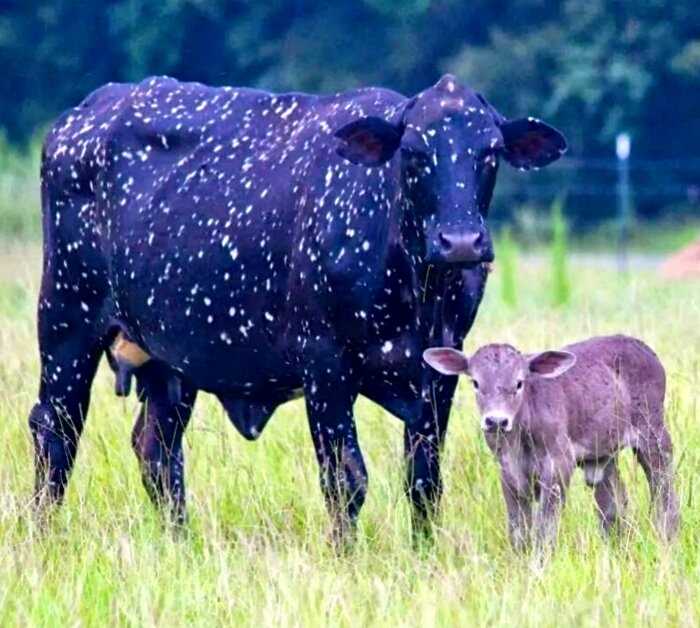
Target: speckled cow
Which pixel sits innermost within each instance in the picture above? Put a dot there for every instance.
(260, 246)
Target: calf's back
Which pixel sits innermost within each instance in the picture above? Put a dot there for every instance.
(616, 387)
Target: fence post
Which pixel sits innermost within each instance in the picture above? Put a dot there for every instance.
(623, 145)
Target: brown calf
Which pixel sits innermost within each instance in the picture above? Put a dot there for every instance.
(547, 413)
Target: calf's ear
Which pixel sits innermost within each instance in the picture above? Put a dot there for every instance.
(551, 364)
(369, 141)
(446, 360)
(530, 143)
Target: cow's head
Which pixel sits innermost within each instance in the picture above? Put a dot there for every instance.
(449, 140)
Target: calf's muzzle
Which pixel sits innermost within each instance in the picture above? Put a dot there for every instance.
(495, 423)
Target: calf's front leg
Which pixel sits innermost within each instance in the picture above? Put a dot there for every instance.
(553, 482)
(518, 496)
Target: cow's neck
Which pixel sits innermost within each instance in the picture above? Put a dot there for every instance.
(437, 330)
(430, 282)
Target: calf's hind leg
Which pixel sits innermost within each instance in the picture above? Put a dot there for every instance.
(655, 455)
(157, 437)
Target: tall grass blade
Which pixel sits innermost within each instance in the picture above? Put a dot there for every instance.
(561, 287)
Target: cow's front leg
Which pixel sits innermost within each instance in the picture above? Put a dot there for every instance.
(422, 444)
(330, 392)
(157, 437)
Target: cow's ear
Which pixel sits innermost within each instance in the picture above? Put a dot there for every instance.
(446, 360)
(369, 141)
(530, 143)
(551, 364)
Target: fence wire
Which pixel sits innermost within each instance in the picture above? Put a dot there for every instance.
(660, 188)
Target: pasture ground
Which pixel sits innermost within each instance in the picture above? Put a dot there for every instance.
(256, 552)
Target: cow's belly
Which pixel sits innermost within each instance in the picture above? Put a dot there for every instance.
(219, 343)
(249, 370)
(212, 307)
(238, 371)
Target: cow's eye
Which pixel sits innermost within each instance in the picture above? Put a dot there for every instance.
(476, 384)
(417, 159)
(486, 180)
(519, 385)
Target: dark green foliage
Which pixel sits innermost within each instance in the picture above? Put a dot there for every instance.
(590, 67)
(506, 267)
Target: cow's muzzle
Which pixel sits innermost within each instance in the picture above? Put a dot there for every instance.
(463, 247)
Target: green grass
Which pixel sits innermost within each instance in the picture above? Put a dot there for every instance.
(561, 288)
(19, 192)
(257, 551)
(656, 237)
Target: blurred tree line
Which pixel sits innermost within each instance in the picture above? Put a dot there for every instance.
(590, 67)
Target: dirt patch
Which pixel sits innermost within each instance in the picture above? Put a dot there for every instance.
(685, 264)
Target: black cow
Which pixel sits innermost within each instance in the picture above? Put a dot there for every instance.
(259, 246)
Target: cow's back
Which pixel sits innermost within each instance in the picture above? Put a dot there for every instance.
(222, 215)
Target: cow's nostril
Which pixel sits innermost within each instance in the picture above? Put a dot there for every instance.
(445, 242)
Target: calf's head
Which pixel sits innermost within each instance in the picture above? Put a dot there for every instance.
(449, 141)
(501, 376)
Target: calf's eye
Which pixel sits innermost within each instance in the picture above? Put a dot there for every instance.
(476, 384)
(519, 385)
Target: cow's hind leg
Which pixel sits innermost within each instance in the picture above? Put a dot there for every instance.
(72, 312)
(655, 455)
(330, 396)
(70, 349)
(157, 437)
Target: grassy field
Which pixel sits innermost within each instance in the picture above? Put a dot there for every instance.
(257, 551)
